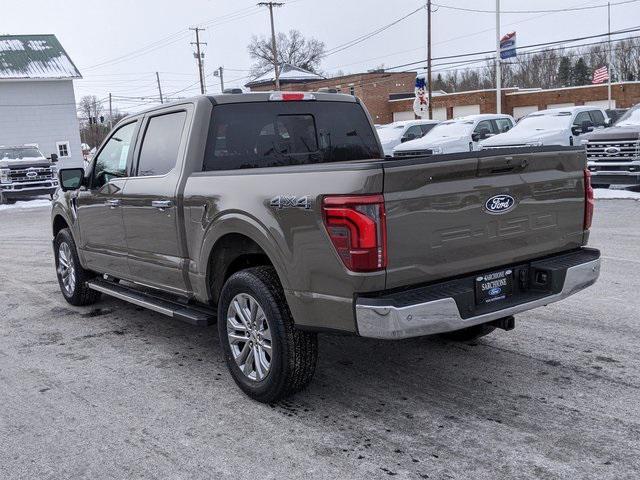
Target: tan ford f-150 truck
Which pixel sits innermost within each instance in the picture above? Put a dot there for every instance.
(277, 214)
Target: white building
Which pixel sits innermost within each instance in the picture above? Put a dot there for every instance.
(37, 101)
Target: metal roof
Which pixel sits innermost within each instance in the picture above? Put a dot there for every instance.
(34, 56)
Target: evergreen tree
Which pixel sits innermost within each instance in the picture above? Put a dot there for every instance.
(580, 74)
(564, 72)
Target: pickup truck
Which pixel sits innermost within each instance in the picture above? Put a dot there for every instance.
(393, 134)
(555, 126)
(277, 214)
(25, 172)
(462, 134)
(613, 154)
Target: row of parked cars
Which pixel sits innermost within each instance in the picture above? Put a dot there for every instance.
(613, 150)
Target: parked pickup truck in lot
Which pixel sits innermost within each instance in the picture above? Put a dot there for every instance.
(278, 214)
(614, 153)
(555, 126)
(25, 172)
(462, 134)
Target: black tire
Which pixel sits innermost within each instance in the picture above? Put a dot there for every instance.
(294, 353)
(80, 294)
(6, 201)
(470, 333)
(600, 185)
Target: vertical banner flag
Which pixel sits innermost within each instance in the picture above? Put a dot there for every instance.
(421, 102)
(508, 46)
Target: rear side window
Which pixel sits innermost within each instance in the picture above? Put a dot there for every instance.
(159, 152)
(597, 117)
(272, 134)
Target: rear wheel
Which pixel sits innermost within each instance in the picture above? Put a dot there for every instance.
(470, 333)
(71, 276)
(267, 356)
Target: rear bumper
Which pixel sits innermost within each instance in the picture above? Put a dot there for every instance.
(437, 308)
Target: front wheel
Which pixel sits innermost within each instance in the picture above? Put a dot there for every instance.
(267, 356)
(71, 276)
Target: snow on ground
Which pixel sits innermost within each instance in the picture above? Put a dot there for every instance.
(607, 194)
(23, 204)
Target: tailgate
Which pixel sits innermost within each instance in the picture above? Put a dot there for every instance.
(464, 213)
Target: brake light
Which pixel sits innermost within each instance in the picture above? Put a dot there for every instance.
(356, 225)
(291, 96)
(589, 201)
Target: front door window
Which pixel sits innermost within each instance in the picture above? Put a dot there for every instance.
(112, 160)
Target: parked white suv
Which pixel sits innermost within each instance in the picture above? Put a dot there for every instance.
(556, 126)
(393, 134)
(458, 135)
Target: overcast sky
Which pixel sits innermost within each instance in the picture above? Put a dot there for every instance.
(118, 45)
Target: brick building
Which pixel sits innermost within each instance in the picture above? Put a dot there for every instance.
(389, 96)
(373, 88)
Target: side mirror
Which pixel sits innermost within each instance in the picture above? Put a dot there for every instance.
(506, 128)
(608, 122)
(54, 157)
(475, 136)
(408, 137)
(71, 178)
(587, 126)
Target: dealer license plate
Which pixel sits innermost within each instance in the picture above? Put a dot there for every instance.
(494, 286)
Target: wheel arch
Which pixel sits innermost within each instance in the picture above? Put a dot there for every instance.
(234, 244)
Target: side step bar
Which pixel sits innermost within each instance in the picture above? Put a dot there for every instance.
(187, 313)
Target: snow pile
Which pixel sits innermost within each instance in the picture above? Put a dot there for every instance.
(37, 203)
(606, 194)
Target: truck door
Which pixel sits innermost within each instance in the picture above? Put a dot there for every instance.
(102, 235)
(151, 209)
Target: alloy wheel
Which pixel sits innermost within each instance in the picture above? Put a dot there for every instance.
(66, 268)
(249, 336)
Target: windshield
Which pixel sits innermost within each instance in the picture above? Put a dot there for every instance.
(452, 128)
(630, 118)
(390, 132)
(540, 122)
(18, 153)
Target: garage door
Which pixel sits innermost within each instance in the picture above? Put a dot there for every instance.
(401, 116)
(464, 110)
(519, 112)
(560, 105)
(440, 113)
(601, 103)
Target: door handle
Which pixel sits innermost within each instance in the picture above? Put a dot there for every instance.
(112, 203)
(162, 204)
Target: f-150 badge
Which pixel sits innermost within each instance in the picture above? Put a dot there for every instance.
(290, 201)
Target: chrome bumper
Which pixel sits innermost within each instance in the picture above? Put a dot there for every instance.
(442, 315)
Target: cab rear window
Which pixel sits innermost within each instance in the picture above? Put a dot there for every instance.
(272, 134)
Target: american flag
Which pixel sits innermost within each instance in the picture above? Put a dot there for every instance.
(600, 75)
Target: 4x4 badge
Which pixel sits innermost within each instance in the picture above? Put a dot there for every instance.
(290, 201)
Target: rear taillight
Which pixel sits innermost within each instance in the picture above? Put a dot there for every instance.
(588, 200)
(356, 225)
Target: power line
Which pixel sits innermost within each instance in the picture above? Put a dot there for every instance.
(555, 10)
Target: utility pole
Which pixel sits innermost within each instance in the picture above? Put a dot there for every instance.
(609, 72)
(276, 67)
(110, 113)
(159, 87)
(198, 55)
(220, 73)
(498, 65)
(430, 89)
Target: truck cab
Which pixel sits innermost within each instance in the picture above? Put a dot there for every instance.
(26, 172)
(456, 136)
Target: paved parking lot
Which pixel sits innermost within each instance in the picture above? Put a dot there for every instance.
(114, 391)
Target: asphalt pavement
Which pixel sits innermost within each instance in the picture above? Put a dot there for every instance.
(115, 391)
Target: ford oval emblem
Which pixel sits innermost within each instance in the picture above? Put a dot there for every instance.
(495, 291)
(612, 150)
(500, 204)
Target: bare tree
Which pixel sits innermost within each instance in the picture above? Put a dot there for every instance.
(93, 127)
(293, 48)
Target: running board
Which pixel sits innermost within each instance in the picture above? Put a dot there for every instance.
(187, 313)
